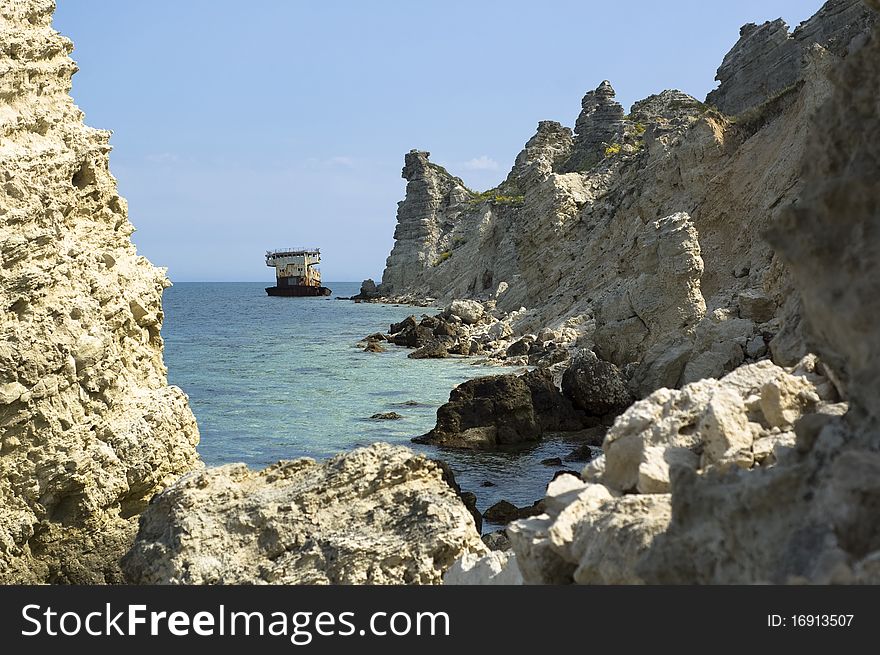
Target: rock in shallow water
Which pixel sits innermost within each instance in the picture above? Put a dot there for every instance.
(387, 416)
(503, 411)
(376, 515)
(595, 386)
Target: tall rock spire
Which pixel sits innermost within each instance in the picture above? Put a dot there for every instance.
(600, 124)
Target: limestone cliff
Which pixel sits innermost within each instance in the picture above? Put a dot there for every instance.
(762, 476)
(90, 428)
(582, 230)
(768, 59)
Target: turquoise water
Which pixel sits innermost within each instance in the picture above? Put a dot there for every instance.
(279, 378)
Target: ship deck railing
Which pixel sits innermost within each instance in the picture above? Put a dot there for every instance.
(292, 252)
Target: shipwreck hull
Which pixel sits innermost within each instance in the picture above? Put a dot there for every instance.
(298, 291)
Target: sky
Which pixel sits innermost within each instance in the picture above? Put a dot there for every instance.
(240, 127)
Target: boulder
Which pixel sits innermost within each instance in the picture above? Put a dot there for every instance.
(595, 386)
(407, 323)
(587, 535)
(434, 349)
(503, 512)
(368, 291)
(486, 413)
(553, 411)
(444, 328)
(756, 347)
(413, 336)
(756, 306)
(375, 515)
(519, 347)
(387, 416)
(503, 411)
(495, 568)
(497, 540)
(719, 419)
(469, 311)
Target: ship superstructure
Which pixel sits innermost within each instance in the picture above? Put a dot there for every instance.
(296, 272)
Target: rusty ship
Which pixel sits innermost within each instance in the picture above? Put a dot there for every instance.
(296, 272)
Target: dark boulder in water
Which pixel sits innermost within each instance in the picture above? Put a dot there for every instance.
(503, 512)
(504, 411)
(596, 386)
(434, 349)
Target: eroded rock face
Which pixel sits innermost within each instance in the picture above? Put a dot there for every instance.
(431, 193)
(375, 515)
(711, 423)
(814, 520)
(612, 527)
(655, 296)
(639, 252)
(543, 153)
(90, 428)
(767, 59)
(599, 126)
(830, 242)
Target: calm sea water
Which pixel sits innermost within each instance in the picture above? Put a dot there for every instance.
(280, 378)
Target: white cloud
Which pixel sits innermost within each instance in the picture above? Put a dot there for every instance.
(481, 163)
(163, 158)
(341, 160)
(337, 161)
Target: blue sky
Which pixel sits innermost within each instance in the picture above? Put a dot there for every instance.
(243, 126)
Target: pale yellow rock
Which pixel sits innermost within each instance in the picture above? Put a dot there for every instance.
(724, 426)
(610, 543)
(656, 464)
(493, 568)
(90, 428)
(785, 400)
(375, 515)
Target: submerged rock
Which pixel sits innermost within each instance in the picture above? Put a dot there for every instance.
(387, 416)
(375, 515)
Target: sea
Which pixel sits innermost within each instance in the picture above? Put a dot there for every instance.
(273, 378)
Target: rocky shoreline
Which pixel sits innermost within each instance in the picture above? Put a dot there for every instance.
(693, 288)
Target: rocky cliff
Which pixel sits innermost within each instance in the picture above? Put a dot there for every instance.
(640, 230)
(768, 59)
(90, 428)
(761, 476)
